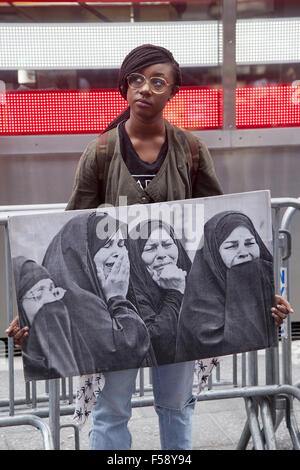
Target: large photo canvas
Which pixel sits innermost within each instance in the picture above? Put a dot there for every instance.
(137, 286)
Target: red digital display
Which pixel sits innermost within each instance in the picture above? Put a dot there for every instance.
(75, 112)
(268, 106)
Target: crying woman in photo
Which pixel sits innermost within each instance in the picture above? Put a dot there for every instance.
(47, 351)
(229, 293)
(159, 267)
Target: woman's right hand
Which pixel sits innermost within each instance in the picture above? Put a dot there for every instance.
(171, 277)
(117, 281)
(18, 334)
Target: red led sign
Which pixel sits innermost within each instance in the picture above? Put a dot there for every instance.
(75, 112)
(60, 112)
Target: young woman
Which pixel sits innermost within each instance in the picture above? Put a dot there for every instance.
(230, 292)
(159, 266)
(141, 142)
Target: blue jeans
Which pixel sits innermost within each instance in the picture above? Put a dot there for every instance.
(174, 405)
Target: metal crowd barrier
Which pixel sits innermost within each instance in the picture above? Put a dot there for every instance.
(274, 400)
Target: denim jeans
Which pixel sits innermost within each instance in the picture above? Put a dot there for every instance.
(174, 405)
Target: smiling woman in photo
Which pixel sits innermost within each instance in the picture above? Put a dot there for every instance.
(229, 293)
(89, 260)
(159, 266)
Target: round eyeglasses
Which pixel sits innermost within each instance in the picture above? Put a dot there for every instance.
(156, 84)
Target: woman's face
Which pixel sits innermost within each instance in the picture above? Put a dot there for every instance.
(159, 251)
(106, 257)
(142, 101)
(239, 247)
(43, 292)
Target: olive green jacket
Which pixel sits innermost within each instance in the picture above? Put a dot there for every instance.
(102, 176)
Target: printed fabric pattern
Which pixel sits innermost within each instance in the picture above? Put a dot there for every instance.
(90, 386)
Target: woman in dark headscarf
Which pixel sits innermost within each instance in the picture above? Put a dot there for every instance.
(47, 351)
(88, 259)
(229, 292)
(159, 265)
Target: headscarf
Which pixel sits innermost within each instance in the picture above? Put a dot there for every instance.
(216, 230)
(27, 273)
(226, 311)
(105, 337)
(47, 351)
(154, 303)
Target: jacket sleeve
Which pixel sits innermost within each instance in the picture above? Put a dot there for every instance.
(86, 188)
(205, 182)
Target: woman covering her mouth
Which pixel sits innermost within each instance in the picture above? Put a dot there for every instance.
(159, 266)
(41, 308)
(230, 292)
(89, 260)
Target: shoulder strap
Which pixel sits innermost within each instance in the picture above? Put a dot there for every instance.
(193, 155)
(105, 150)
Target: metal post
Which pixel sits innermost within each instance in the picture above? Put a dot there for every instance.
(286, 333)
(252, 423)
(70, 380)
(272, 356)
(142, 382)
(234, 370)
(252, 368)
(251, 409)
(229, 64)
(54, 412)
(244, 369)
(268, 425)
(9, 310)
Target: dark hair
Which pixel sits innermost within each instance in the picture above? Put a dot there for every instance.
(138, 59)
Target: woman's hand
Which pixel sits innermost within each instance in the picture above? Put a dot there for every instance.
(117, 281)
(171, 277)
(18, 334)
(281, 310)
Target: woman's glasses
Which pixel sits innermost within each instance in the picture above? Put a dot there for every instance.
(157, 84)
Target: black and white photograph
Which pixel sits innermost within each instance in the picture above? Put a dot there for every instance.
(123, 288)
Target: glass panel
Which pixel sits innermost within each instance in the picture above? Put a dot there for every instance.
(268, 63)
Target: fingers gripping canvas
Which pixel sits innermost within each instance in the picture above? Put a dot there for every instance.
(137, 286)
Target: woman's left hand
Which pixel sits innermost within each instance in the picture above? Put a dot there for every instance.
(281, 310)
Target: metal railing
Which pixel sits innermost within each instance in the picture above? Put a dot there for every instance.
(274, 400)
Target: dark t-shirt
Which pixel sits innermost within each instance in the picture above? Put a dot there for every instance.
(142, 172)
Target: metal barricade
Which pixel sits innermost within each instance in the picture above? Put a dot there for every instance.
(263, 398)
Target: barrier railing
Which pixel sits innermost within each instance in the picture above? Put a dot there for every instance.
(274, 400)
